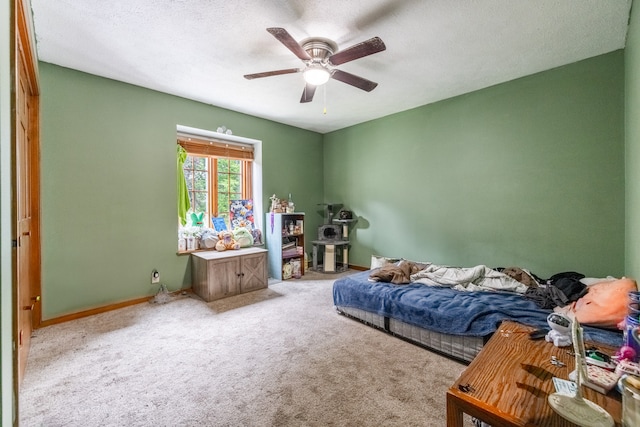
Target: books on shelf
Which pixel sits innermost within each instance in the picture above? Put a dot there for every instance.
(293, 251)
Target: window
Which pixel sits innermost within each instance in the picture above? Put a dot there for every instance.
(216, 173)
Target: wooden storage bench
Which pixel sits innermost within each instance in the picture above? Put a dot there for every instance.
(218, 275)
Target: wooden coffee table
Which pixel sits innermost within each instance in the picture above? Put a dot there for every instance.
(509, 381)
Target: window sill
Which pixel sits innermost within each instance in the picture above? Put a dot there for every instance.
(180, 253)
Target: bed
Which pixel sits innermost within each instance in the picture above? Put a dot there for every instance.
(451, 322)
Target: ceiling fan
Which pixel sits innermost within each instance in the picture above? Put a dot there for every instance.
(321, 56)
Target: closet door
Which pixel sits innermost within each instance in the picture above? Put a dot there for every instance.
(26, 192)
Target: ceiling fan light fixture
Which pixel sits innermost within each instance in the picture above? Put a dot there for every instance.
(320, 59)
(316, 75)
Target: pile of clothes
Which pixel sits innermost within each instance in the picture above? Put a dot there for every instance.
(557, 291)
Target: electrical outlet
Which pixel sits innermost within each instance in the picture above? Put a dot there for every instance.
(155, 276)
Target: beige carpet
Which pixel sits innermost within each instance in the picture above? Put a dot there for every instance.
(275, 357)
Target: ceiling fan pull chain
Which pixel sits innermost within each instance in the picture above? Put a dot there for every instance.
(324, 92)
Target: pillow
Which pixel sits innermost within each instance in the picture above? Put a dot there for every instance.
(593, 280)
(605, 305)
(378, 261)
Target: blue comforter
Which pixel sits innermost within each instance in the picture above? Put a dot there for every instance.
(448, 311)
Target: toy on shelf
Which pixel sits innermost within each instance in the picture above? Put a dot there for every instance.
(281, 205)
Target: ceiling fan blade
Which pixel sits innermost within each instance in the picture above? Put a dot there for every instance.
(307, 93)
(353, 80)
(285, 38)
(271, 73)
(369, 47)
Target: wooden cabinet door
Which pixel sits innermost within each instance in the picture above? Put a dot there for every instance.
(224, 278)
(254, 272)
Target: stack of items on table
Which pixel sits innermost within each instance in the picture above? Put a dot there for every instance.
(622, 370)
(608, 303)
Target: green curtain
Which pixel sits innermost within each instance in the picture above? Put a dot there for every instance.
(184, 204)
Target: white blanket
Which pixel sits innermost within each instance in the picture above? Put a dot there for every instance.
(478, 278)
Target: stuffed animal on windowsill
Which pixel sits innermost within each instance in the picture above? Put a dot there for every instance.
(243, 236)
(197, 219)
(208, 239)
(226, 241)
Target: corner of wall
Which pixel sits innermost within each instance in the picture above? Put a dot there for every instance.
(632, 145)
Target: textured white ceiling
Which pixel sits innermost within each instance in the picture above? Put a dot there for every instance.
(436, 49)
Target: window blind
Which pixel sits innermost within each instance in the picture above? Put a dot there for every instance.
(218, 149)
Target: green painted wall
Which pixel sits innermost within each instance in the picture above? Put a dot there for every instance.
(632, 139)
(529, 173)
(108, 184)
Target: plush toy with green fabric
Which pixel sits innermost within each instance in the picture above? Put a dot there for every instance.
(197, 219)
(243, 236)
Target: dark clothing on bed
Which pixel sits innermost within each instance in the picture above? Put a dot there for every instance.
(561, 289)
(547, 297)
(570, 284)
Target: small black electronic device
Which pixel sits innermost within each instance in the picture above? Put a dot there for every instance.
(538, 334)
(598, 358)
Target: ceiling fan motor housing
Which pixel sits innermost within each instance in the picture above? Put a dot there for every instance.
(319, 49)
